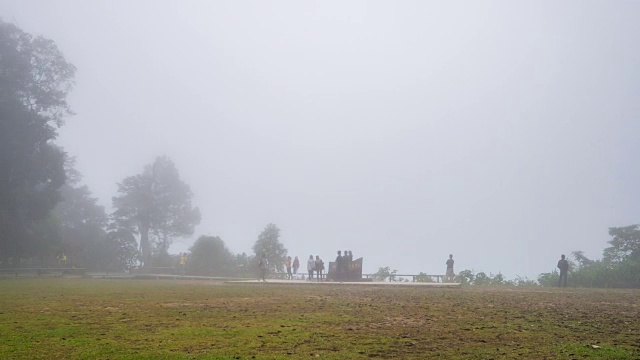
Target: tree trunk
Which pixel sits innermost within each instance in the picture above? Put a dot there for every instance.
(145, 246)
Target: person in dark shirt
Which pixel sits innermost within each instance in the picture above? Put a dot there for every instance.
(449, 275)
(296, 265)
(563, 265)
(319, 268)
(347, 259)
(262, 266)
(339, 266)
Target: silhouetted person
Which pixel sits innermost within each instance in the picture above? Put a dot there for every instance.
(339, 265)
(563, 265)
(262, 266)
(311, 266)
(348, 258)
(287, 264)
(296, 265)
(319, 267)
(449, 276)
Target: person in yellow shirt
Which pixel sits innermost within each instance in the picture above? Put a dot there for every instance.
(183, 263)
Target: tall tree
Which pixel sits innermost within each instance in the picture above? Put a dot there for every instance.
(210, 256)
(268, 243)
(35, 79)
(156, 205)
(82, 222)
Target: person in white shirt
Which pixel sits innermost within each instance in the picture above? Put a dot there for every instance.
(311, 266)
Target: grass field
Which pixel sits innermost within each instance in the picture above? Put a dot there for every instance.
(153, 319)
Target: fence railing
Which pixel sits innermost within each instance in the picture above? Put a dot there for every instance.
(414, 277)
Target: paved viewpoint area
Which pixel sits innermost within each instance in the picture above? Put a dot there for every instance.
(354, 283)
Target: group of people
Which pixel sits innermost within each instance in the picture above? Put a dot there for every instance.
(315, 265)
(288, 264)
(342, 264)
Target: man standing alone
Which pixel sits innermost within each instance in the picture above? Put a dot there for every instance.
(563, 265)
(287, 264)
(262, 266)
(449, 274)
(183, 263)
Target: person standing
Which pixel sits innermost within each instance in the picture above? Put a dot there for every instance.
(311, 266)
(319, 268)
(339, 266)
(183, 263)
(563, 265)
(262, 266)
(287, 264)
(448, 277)
(296, 265)
(346, 266)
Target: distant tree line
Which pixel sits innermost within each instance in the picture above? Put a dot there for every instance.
(45, 212)
(619, 268)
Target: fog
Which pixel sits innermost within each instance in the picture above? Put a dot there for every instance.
(504, 133)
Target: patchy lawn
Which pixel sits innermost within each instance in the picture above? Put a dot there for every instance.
(149, 319)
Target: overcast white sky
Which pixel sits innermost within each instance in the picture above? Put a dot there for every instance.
(503, 132)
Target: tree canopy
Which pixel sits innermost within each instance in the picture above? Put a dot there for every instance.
(82, 222)
(625, 244)
(156, 205)
(619, 266)
(35, 79)
(268, 243)
(210, 256)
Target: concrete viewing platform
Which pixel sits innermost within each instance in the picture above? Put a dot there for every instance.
(245, 281)
(345, 283)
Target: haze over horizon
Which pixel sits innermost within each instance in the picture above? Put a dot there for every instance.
(503, 133)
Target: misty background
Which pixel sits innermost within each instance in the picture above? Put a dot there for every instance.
(504, 133)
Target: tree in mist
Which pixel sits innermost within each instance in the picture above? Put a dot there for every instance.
(156, 205)
(385, 273)
(210, 256)
(465, 277)
(625, 244)
(121, 251)
(619, 266)
(35, 79)
(82, 222)
(268, 243)
(244, 264)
